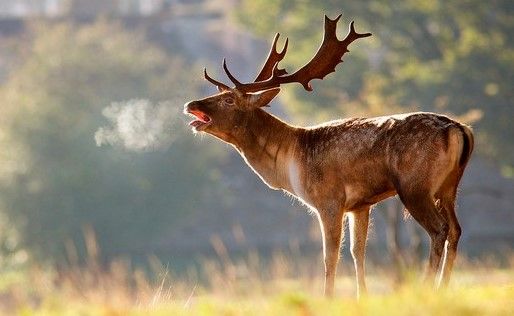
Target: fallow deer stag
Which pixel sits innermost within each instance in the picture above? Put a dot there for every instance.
(344, 166)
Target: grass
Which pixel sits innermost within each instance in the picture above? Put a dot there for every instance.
(249, 286)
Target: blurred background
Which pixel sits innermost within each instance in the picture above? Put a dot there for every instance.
(97, 159)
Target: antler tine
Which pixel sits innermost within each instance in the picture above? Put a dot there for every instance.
(353, 35)
(219, 85)
(230, 76)
(273, 58)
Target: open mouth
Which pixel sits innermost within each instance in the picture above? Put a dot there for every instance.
(201, 120)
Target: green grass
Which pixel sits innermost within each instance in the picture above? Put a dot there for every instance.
(279, 285)
(480, 300)
(122, 291)
(476, 300)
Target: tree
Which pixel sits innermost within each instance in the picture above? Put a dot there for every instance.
(54, 180)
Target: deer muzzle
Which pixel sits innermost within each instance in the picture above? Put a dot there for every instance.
(201, 120)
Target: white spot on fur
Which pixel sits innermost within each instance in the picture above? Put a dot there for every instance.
(296, 183)
(294, 178)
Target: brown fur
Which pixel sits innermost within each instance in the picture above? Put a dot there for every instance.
(349, 165)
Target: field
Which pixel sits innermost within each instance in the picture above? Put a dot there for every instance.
(250, 287)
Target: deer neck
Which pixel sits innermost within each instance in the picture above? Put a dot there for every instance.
(267, 145)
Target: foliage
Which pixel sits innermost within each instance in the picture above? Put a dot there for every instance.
(452, 57)
(54, 181)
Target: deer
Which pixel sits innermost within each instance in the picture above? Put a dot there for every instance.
(343, 167)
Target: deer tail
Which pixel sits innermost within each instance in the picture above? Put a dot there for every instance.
(467, 145)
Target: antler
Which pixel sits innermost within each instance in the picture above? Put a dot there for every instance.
(274, 57)
(328, 56)
(221, 86)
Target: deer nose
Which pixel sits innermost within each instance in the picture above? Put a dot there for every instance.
(189, 105)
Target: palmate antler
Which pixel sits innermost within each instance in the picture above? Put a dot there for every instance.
(328, 56)
(274, 57)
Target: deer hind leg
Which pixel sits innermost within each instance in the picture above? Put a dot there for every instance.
(358, 222)
(423, 209)
(331, 223)
(447, 195)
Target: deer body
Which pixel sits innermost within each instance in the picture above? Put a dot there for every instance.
(345, 166)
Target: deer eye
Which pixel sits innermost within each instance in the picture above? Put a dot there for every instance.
(229, 101)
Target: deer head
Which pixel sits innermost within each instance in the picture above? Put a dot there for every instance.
(223, 114)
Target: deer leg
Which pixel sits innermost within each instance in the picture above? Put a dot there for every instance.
(358, 222)
(454, 232)
(424, 211)
(331, 223)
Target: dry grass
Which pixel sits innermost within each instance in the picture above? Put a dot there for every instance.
(248, 286)
(284, 283)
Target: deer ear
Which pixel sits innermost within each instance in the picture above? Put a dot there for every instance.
(262, 98)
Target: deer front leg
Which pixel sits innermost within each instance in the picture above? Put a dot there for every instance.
(331, 223)
(358, 223)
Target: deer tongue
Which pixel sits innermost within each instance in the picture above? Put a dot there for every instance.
(201, 119)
